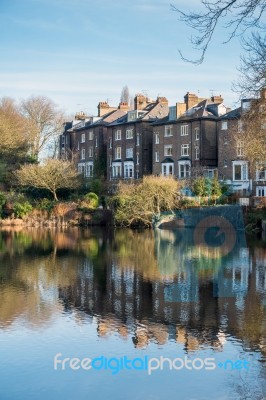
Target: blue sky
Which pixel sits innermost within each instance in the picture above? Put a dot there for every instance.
(80, 52)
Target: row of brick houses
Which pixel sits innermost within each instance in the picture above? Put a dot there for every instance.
(194, 137)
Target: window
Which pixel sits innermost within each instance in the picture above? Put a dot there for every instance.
(96, 142)
(225, 139)
(157, 158)
(197, 153)
(261, 191)
(110, 161)
(83, 154)
(168, 150)
(89, 170)
(116, 170)
(196, 133)
(209, 173)
(78, 146)
(90, 135)
(184, 149)
(224, 125)
(129, 133)
(240, 125)
(118, 135)
(225, 163)
(183, 169)
(240, 171)
(184, 130)
(128, 170)
(118, 152)
(90, 151)
(137, 144)
(63, 140)
(167, 169)
(240, 149)
(83, 138)
(110, 143)
(137, 158)
(168, 130)
(157, 138)
(129, 152)
(261, 173)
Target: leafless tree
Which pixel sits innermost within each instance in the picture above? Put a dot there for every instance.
(52, 175)
(125, 96)
(45, 123)
(253, 66)
(238, 15)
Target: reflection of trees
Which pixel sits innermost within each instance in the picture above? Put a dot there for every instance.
(151, 289)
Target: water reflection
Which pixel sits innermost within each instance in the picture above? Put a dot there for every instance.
(143, 287)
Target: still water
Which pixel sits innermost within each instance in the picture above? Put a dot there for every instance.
(126, 294)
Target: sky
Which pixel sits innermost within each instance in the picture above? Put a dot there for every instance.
(80, 52)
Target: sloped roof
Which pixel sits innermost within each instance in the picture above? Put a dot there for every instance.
(236, 113)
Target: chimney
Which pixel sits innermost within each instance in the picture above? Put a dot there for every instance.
(190, 100)
(104, 108)
(140, 102)
(162, 100)
(180, 109)
(123, 106)
(80, 115)
(217, 99)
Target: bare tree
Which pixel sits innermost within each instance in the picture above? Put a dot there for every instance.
(239, 15)
(45, 122)
(125, 96)
(253, 66)
(52, 175)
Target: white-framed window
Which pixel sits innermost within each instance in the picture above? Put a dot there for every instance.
(82, 154)
(118, 135)
(81, 169)
(196, 133)
(78, 146)
(240, 171)
(224, 125)
(110, 143)
(110, 161)
(129, 133)
(240, 148)
(168, 150)
(261, 191)
(137, 142)
(128, 169)
(116, 170)
(157, 157)
(240, 125)
(184, 150)
(91, 135)
(118, 153)
(96, 142)
(129, 152)
(261, 173)
(208, 173)
(137, 158)
(82, 138)
(184, 169)
(157, 138)
(167, 169)
(90, 151)
(197, 153)
(89, 169)
(168, 130)
(184, 130)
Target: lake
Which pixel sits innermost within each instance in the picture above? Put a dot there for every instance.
(122, 314)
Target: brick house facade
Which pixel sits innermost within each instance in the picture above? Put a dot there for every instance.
(185, 143)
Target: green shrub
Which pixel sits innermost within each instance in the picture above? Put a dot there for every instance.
(22, 209)
(91, 200)
(46, 205)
